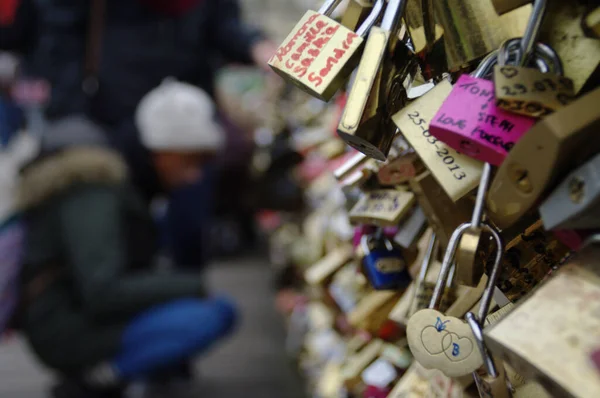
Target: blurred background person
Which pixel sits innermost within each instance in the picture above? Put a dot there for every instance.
(101, 57)
(93, 311)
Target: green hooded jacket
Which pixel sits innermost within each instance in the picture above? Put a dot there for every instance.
(85, 220)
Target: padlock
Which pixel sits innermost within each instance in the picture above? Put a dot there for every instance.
(356, 12)
(529, 91)
(319, 55)
(580, 55)
(426, 38)
(552, 148)
(350, 166)
(382, 207)
(443, 215)
(412, 229)
(472, 29)
(494, 383)
(457, 174)
(468, 271)
(372, 311)
(470, 122)
(591, 23)
(530, 254)
(378, 90)
(424, 286)
(446, 343)
(399, 168)
(322, 270)
(383, 264)
(575, 204)
(557, 324)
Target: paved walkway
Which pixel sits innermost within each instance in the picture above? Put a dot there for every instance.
(252, 364)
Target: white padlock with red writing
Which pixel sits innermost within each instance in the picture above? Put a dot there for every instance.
(319, 55)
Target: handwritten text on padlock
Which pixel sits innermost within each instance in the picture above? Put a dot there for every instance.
(470, 122)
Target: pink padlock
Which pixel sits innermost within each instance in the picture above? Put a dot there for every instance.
(470, 122)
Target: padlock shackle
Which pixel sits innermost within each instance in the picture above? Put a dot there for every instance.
(544, 56)
(392, 16)
(486, 65)
(380, 236)
(329, 6)
(488, 361)
(431, 250)
(484, 184)
(374, 15)
(532, 32)
(486, 297)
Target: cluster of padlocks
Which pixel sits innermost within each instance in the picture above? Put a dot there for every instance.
(473, 191)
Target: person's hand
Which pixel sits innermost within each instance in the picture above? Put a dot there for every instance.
(262, 52)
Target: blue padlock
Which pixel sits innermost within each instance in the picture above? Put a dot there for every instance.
(384, 265)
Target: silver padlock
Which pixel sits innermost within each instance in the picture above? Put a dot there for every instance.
(575, 204)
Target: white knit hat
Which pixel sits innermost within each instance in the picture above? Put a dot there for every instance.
(178, 117)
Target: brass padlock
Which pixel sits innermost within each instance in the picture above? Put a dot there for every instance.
(356, 12)
(563, 30)
(378, 90)
(591, 23)
(472, 29)
(383, 208)
(551, 149)
(458, 174)
(443, 214)
(530, 254)
(319, 55)
(556, 325)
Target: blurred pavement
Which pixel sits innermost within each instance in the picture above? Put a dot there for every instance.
(252, 363)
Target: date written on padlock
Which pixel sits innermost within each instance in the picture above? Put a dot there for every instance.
(457, 174)
(471, 123)
(382, 207)
(529, 92)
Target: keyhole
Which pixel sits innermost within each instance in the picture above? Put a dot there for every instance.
(576, 189)
(520, 176)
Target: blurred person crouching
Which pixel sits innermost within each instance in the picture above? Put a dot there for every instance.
(92, 310)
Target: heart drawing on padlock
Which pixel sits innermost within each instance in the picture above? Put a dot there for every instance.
(444, 343)
(509, 71)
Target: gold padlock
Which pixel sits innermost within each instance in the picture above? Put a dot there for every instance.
(457, 173)
(556, 325)
(319, 55)
(472, 29)
(563, 30)
(591, 23)
(530, 254)
(378, 90)
(385, 207)
(552, 148)
(443, 214)
(356, 12)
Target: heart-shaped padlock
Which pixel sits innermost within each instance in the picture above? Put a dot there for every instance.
(442, 342)
(383, 264)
